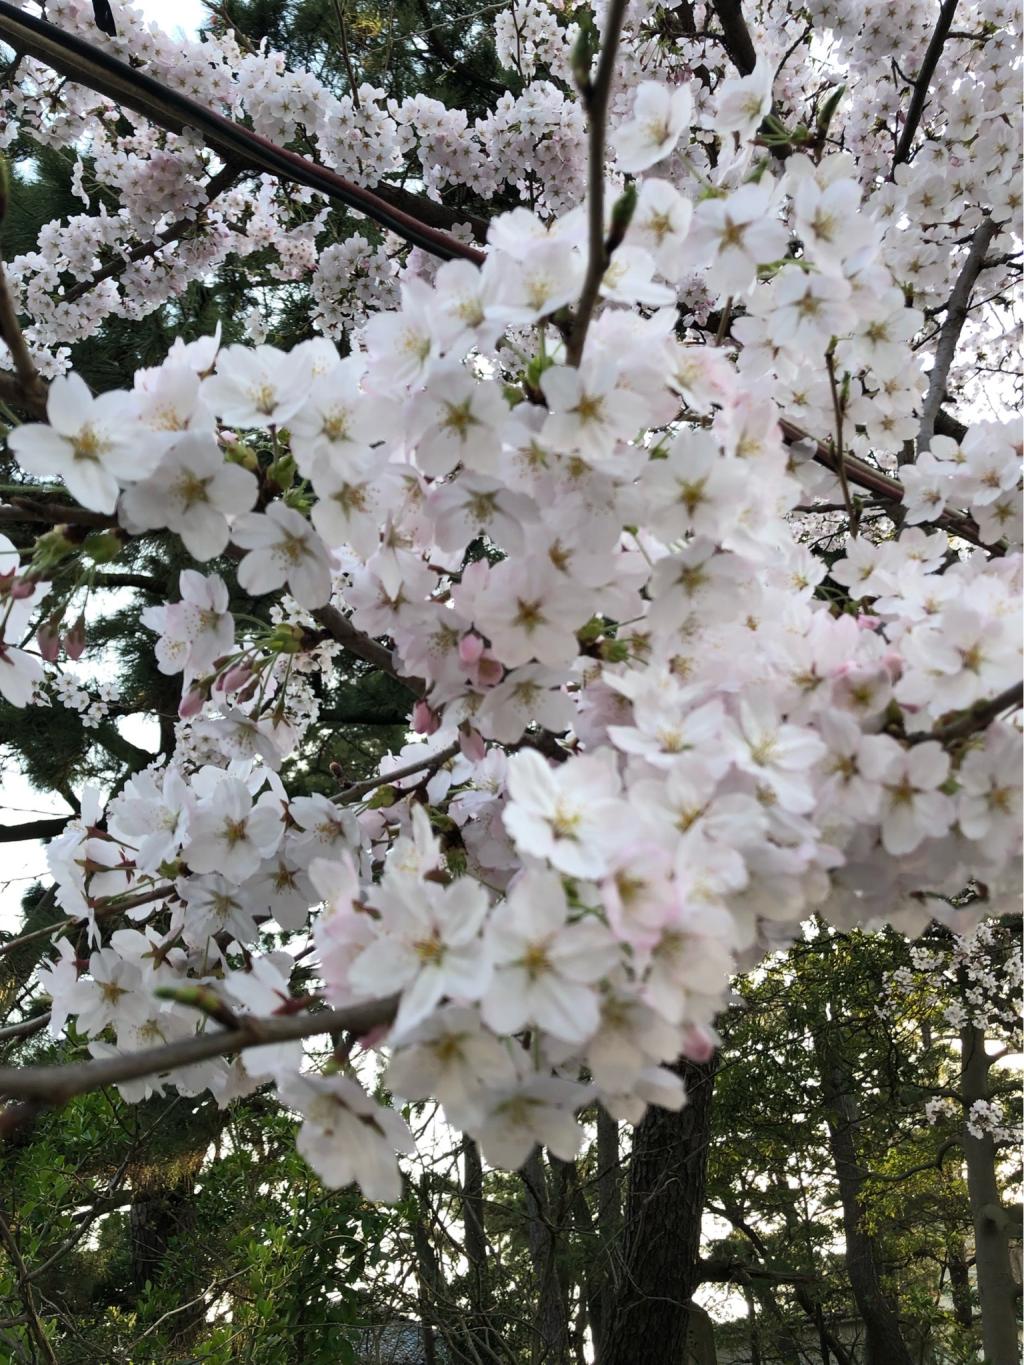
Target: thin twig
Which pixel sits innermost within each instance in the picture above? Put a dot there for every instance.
(357, 789)
(25, 1292)
(837, 409)
(595, 99)
(343, 29)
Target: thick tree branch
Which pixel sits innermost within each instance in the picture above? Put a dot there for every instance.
(134, 89)
(977, 717)
(30, 389)
(34, 829)
(738, 42)
(920, 96)
(365, 647)
(949, 336)
(50, 1086)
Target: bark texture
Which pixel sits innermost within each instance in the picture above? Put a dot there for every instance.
(664, 1206)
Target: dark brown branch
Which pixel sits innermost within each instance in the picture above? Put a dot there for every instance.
(365, 647)
(864, 475)
(51, 1086)
(34, 829)
(976, 717)
(53, 514)
(924, 76)
(738, 42)
(30, 389)
(134, 89)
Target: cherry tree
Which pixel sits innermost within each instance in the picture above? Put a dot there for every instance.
(681, 497)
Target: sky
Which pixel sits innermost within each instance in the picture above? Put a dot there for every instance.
(173, 14)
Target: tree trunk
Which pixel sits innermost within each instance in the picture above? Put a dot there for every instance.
(551, 1338)
(664, 1206)
(883, 1339)
(481, 1328)
(960, 1285)
(997, 1293)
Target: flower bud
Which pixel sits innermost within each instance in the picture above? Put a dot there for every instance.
(74, 640)
(424, 720)
(48, 639)
(471, 743)
(191, 703)
(471, 646)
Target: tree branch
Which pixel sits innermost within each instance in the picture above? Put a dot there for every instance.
(30, 389)
(949, 336)
(134, 89)
(365, 647)
(222, 181)
(368, 784)
(976, 717)
(738, 42)
(50, 1086)
(34, 829)
(595, 99)
(924, 76)
(864, 475)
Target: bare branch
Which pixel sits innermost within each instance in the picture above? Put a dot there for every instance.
(595, 99)
(976, 717)
(50, 1086)
(949, 336)
(365, 647)
(924, 76)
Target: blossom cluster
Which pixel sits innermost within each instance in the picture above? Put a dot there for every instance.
(666, 705)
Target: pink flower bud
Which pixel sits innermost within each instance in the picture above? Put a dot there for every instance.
(234, 678)
(471, 742)
(20, 588)
(868, 622)
(74, 640)
(191, 703)
(489, 671)
(699, 1043)
(424, 720)
(48, 640)
(470, 647)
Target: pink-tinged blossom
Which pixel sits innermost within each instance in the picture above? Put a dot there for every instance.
(544, 966)
(93, 444)
(283, 548)
(659, 118)
(193, 493)
(568, 815)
